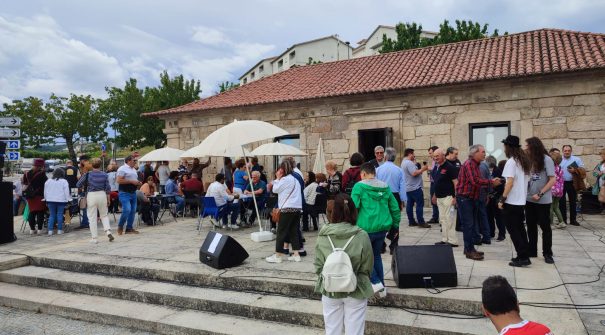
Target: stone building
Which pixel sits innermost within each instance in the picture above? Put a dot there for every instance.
(547, 83)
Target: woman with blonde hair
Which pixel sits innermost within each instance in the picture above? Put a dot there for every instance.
(97, 189)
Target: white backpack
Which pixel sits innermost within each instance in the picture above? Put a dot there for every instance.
(337, 273)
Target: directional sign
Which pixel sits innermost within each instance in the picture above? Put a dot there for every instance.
(10, 133)
(103, 147)
(12, 144)
(10, 121)
(13, 155)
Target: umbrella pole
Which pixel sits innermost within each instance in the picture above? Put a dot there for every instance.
(260, 227)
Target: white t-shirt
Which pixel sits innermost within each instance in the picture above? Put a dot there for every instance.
(518, 194)
(163, 174)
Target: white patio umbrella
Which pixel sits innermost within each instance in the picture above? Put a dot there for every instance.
(206, 151)
(320, 159)
(234, 135)
(277, 149)
(163, 154)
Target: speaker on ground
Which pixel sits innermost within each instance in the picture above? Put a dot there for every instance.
(7, 230)
(222, 251)
(421, 266)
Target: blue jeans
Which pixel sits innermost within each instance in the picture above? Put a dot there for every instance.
(482, 222)
(129, 209)
(466, 210)
(56, 214)
(435, 207)
(417, 197)
(16, 204)
(180, 203)
(377, 240)
(226, 209)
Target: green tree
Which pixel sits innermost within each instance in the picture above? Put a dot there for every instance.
(125, 105)
(71, 119)
(409, 35)
(312, 62)
(227, 86)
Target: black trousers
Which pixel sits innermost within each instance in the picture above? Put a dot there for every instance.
(538, 215)
(513, 216)
(36, 218)
(494, 217)
(572, 195)
(287, 231)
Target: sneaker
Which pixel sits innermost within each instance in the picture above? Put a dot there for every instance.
(120, 230)
(549, 260)
(500, 238)
(383, 293)
(433, 220)
(110, 237)
(520, 262)
(31, 231)
(224, 226)
(295, 258)
(273, 259)
(50, 233)
(561, 225)
(302, 253)
(216, 224)
(273, 231)
(94, 241)
(233, 226)
(574, 223)
(131, 231)
(39, 231)
(59, 232)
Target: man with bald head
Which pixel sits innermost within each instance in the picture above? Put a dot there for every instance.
(445, 179)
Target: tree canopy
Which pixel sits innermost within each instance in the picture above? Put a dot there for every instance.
(71, 119)
(125, 106)
(227, 86)
(409, 35)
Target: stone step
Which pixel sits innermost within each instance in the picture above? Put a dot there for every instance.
(137, 315)
(293, 284)
(260, 306)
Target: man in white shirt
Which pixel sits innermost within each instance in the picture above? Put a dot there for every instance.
(162, 175)
(218, 191)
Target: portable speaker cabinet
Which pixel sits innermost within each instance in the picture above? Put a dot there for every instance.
(221, 251)
(422, 266)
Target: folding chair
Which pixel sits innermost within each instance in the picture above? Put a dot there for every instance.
(167, 203)
(210, 209)
(191, 200)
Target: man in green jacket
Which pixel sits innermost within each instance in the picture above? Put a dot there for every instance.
(378, 212)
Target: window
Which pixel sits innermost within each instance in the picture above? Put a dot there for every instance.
(490, 135)
(261, 69)
(245, 80)
(292, 54)
(252, 75)
(293, 140)
(280, 64)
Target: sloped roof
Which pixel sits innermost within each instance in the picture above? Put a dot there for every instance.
(539, 52)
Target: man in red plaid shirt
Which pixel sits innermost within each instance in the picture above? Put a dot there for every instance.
(467, 197)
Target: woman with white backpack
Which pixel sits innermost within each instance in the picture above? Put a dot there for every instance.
(344, 261)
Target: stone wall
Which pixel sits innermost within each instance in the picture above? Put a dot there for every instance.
(560, 110)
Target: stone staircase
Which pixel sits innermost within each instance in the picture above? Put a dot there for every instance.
(171, 297)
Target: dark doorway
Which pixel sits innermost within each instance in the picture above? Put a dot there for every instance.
(369, 138)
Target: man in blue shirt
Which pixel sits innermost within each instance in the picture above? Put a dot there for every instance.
(570, 165)
(260, 192)
(393, 176)
(172, 190)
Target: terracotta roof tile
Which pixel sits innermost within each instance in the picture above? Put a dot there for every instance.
(538, 52)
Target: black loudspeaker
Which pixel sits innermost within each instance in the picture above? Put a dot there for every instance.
(221, 251)
(7, 231)
(422, 266)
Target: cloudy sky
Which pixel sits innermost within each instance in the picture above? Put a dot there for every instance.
(81, 47)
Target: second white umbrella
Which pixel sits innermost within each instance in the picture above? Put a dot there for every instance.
(277, 149)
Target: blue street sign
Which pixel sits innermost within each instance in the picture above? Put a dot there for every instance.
(12, 144)
(103, 147)
(13, 155)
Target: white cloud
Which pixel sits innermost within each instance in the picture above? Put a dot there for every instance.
(40, 58)
(209, 36)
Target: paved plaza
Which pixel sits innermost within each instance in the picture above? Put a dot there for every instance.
(578, 251)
